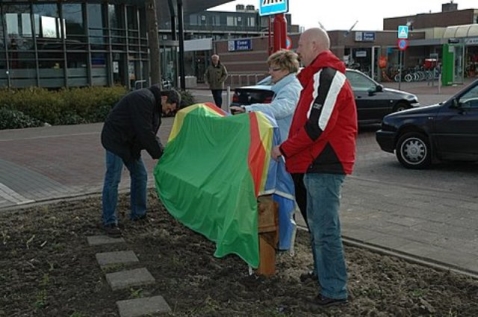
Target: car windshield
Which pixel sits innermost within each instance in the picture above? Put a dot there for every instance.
(360, 82)
(470, 99)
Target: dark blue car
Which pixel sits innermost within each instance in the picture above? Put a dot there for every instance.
(447, 131)
(373, 100)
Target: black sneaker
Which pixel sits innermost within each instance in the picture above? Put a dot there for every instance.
(304, 277)
(112, 230)
(139, 218)
(323, 301)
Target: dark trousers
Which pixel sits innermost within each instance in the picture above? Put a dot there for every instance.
(300, 194)
(217, 95)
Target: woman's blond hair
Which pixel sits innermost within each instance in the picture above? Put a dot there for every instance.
(285, 59)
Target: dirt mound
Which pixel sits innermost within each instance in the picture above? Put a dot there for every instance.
(48, 269)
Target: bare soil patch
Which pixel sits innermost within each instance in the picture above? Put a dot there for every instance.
(48, 269)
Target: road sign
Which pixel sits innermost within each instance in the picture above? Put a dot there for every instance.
(270, 7)
(240, 45)
(403, 31)
(288, 43)
(402, 44)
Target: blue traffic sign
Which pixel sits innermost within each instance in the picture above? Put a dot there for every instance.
(270, 7)
(402, 44)
(403, 31)
(240, 45)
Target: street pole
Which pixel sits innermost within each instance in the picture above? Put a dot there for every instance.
(280, 31)
(400, 69)
(182, 79)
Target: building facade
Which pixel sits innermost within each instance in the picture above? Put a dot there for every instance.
(77, 43)
(450, 36)
(202, 29)
(57, 44)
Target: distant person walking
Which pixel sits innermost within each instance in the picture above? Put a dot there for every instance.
(215, 76)
(321, 146)
(131, 126)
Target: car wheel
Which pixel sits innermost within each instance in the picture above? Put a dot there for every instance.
(400, 106)
(413, 151)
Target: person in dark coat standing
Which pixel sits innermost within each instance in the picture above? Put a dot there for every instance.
(215, 77)
(132, 126)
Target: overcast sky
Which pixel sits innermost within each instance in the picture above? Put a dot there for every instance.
(342, 14)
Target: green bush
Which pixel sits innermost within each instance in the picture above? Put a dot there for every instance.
(61, 107)
(187, 98)
(14, 119)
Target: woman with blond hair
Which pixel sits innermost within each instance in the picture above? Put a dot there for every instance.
(283, 68)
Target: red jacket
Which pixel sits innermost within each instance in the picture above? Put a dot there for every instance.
(323, 132)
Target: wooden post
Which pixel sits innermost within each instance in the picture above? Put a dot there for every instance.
(268, 235)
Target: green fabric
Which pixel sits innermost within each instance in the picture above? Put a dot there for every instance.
(203, 180)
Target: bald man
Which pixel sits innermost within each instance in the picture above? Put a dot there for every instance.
(320, 152)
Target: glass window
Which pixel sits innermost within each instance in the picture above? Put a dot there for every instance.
(13, 26)
(115, 17)
(215, 20)
(359, 82)
(193, 19)
(47, 22)
(251, 21)
(2, 35)
(26, 25)
(96, 25)
(470, 99)
(131, 14)
(18, 28)
(117, 30)
(73, 15)
(17, 20)
(230, 21)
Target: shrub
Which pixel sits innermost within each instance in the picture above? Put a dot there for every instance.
(187, 98)
(64, 106)
(14, 119)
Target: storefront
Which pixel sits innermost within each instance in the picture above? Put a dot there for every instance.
(72, 44)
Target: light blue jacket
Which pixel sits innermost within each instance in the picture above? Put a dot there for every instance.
(287, 92)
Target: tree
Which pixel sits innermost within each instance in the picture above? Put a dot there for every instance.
(152, 25)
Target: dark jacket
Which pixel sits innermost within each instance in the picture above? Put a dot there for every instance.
(323, 131)
(132, 125)
(215, 76)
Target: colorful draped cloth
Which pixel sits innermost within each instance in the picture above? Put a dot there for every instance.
(213, 169)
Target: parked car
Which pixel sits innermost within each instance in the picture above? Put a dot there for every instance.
(373, 100)
(447, 131)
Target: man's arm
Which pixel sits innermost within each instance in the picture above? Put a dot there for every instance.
(224, 74)
(142, 119)
(283, 104)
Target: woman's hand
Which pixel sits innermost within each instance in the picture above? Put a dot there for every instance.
(237, 109)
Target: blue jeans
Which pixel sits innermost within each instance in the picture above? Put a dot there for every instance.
(139, 179)
(323, 204)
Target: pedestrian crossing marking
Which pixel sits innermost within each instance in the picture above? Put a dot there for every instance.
(269, 7)
(403, 32)
(271, 2)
